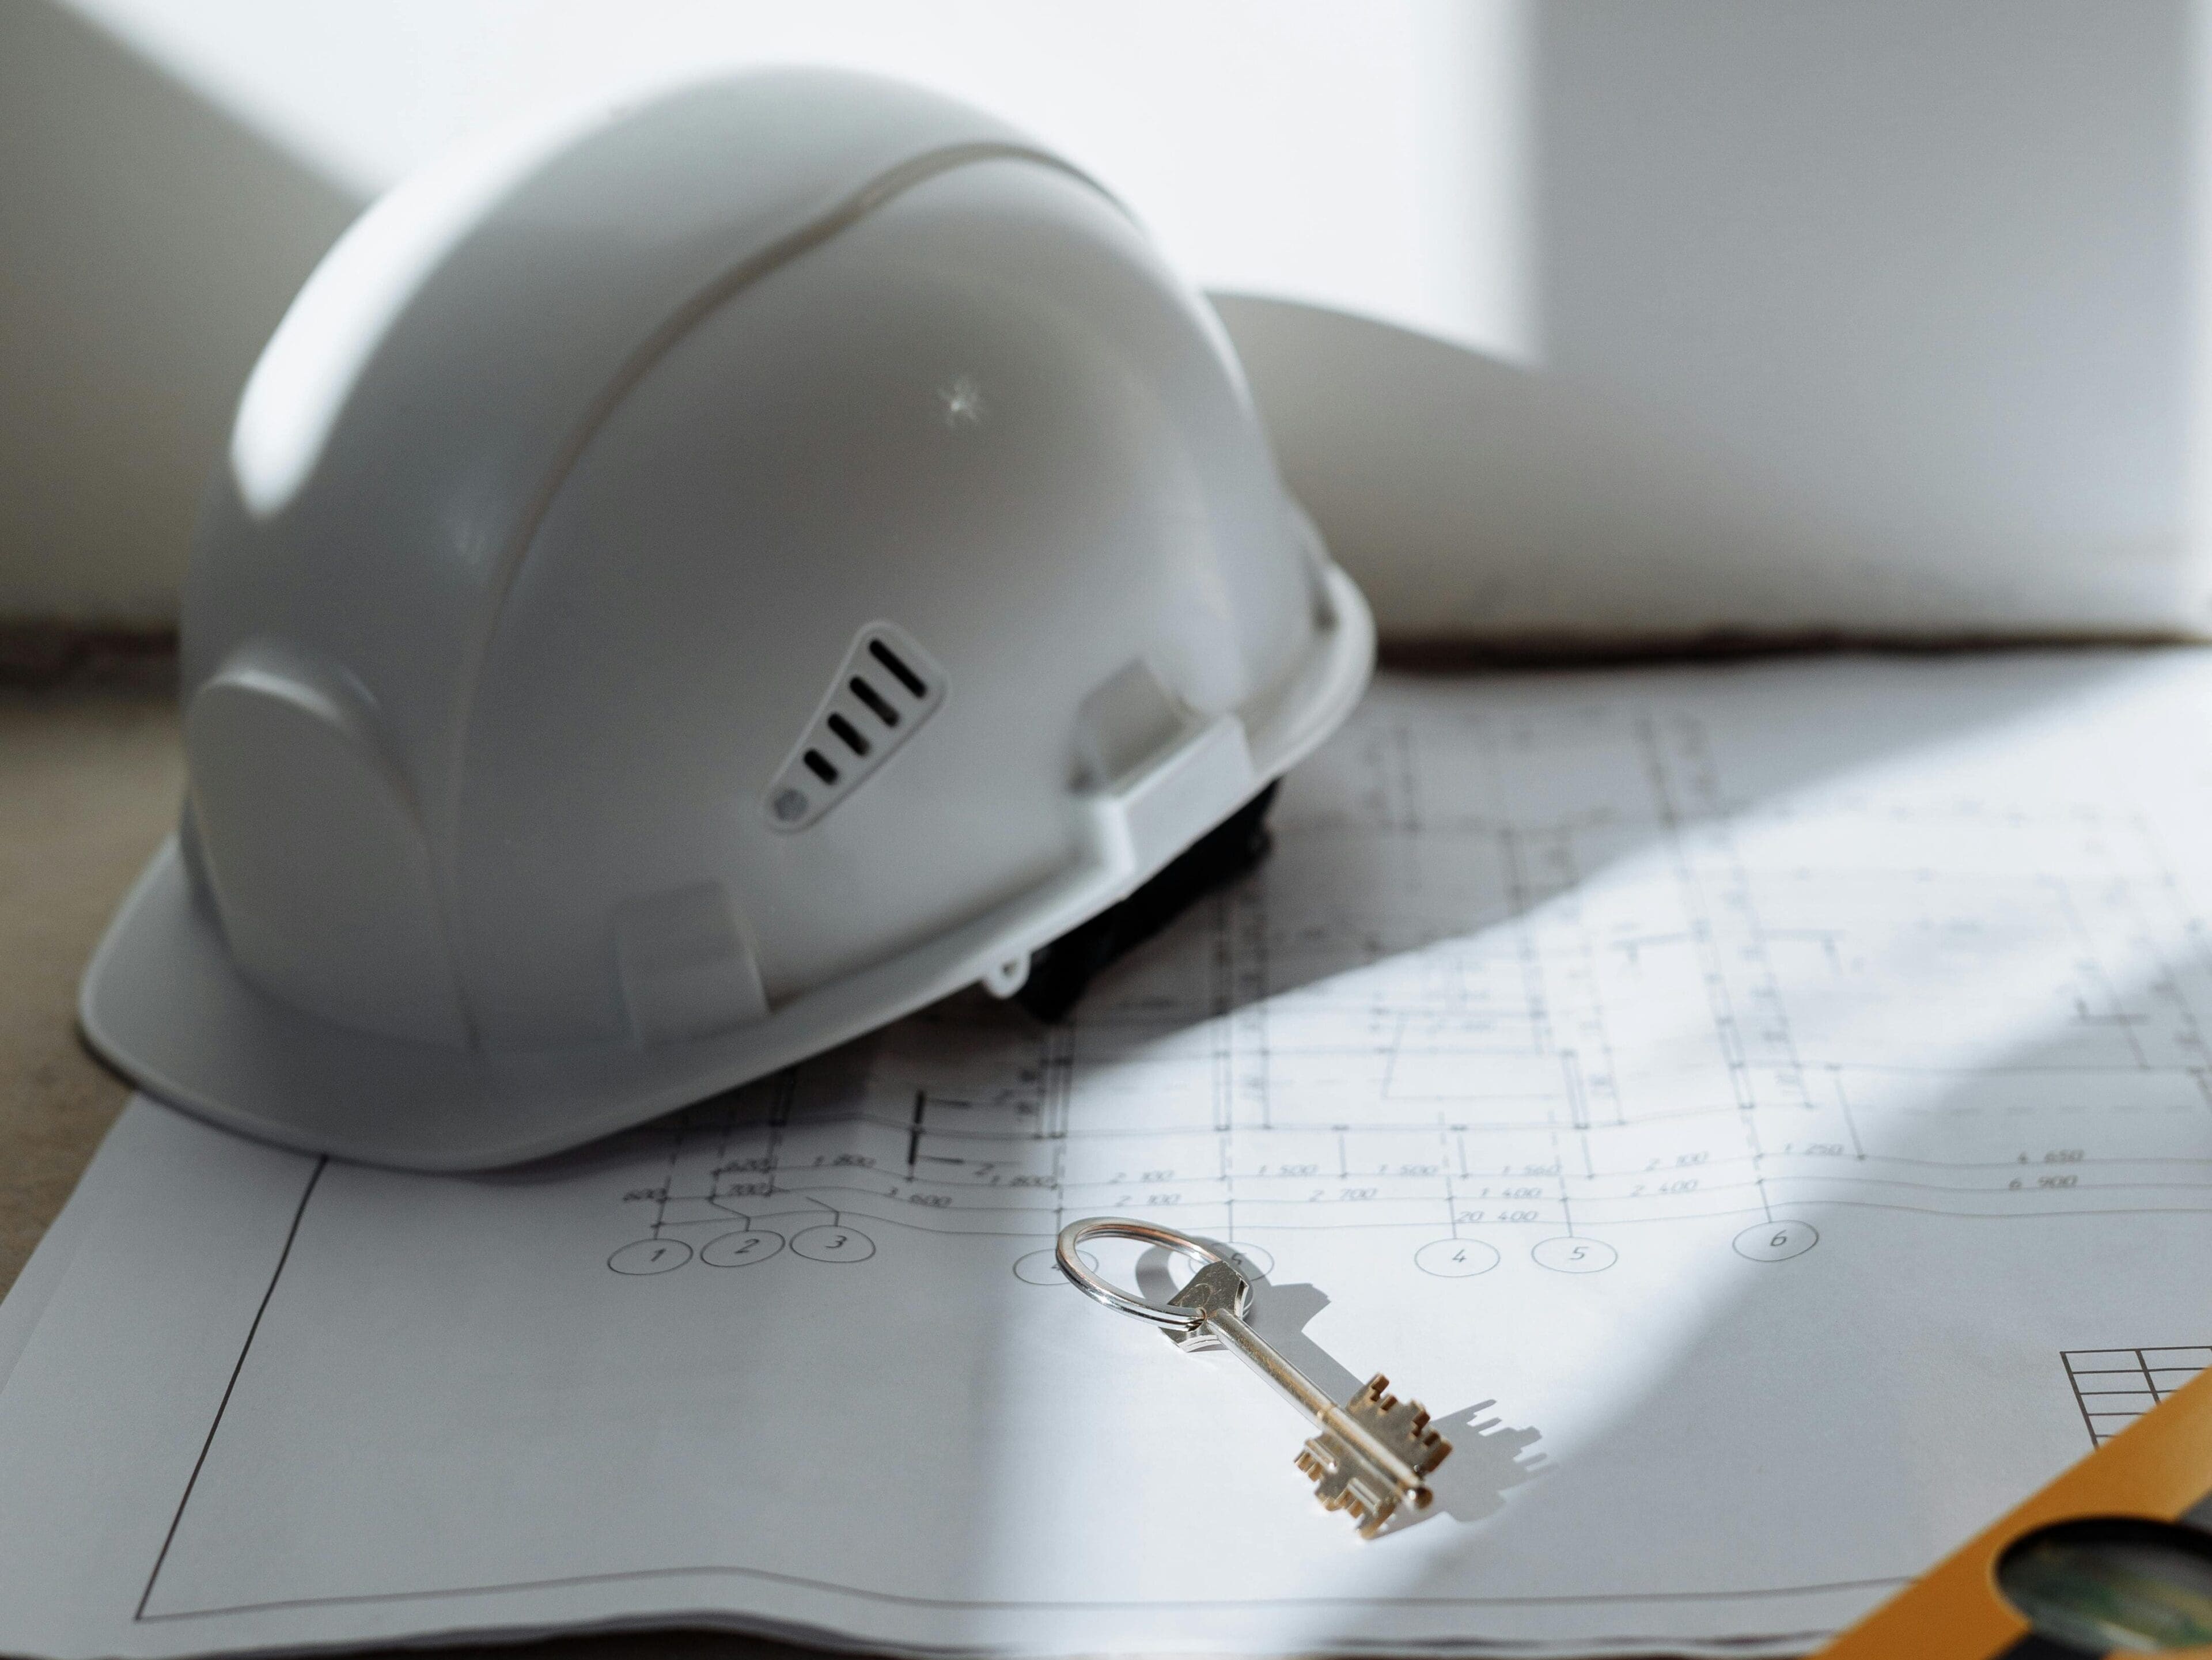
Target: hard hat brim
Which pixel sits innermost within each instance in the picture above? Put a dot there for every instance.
(164, 1001)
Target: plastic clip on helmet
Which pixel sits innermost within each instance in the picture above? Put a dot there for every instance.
(687, 589)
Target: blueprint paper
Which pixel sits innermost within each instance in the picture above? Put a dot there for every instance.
(1762, 1112)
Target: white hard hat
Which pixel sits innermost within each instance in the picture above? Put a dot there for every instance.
(687, 588)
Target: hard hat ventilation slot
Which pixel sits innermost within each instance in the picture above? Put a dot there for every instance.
(892, 661)
(867, 694)
(886, 687)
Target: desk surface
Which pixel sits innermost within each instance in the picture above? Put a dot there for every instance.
(89, 783)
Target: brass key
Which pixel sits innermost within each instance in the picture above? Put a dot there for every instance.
(1371, 1454)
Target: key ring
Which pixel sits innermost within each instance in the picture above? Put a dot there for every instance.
(1101, 1290)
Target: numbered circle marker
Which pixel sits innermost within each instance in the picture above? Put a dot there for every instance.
(833, 1244)
(1776, 1241)
(1254, 1262)
(650, 1256)
(1454, 1259)
(734, 1250)
(1567, 1254)
(1039, 1267)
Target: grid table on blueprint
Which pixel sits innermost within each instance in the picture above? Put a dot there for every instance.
(1761, 1111)
(2115, 1387)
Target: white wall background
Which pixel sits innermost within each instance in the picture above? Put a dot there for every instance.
(1591, 319)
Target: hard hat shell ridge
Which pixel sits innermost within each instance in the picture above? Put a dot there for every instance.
(689, 584)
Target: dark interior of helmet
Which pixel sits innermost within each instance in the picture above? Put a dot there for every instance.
(1059, 972)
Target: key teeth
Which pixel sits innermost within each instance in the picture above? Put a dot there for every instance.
(1404, 1424)
(1344, 1482)
(1341, 1485)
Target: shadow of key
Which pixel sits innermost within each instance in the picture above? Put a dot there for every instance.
(1487, 1461)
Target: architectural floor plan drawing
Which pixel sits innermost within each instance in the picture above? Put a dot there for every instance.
(1527, 979)
(1760, 1110)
